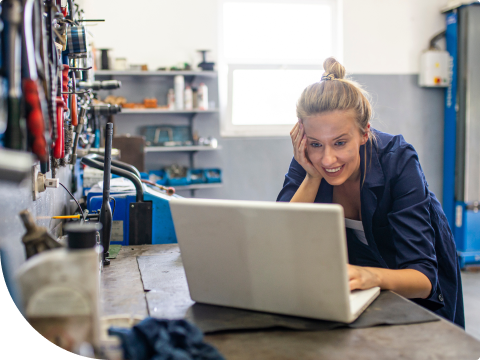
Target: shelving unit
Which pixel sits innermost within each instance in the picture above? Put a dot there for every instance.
(137, 85)
(164, 111)
(154, 73)
(198, 186)
(180, 148)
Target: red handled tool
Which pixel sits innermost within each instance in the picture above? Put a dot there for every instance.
(35, 121)
(34, 114)
(65, 85)
(59, 148)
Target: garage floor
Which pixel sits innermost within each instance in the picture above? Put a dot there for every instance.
(471, 298)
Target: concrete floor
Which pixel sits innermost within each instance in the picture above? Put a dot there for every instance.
(471, 298)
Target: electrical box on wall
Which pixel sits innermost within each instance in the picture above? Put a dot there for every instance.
(434, 69)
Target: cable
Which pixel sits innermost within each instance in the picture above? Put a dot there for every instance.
(114, 204)
(73, 197)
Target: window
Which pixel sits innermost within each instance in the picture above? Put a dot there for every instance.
(269, 51)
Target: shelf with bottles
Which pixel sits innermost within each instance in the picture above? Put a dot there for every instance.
(181, 148)
(212, 74)
(198, 186)
(164, 111)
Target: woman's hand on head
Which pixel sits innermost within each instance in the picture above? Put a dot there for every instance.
(299, 142)
(362, 278)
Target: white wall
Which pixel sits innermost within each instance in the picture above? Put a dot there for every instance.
(387, 36)
(154, 32)
(380, 36)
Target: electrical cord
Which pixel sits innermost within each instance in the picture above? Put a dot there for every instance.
(73, 197)
(114, 204)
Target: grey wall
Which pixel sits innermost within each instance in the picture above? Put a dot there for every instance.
(15, 198)
(254, 168)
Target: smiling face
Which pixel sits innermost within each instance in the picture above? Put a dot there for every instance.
(333, 143)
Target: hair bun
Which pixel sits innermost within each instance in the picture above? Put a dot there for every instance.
(333, 67)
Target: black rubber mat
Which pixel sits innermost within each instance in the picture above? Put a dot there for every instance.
(168, 297)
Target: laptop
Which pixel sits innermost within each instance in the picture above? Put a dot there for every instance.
(274, 257)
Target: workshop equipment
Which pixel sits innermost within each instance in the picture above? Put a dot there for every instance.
(204, 65)
(3, 86)
(141, 212)
(31, 91)
(63, 305)
(105, 60)
(100, 85)
(461, 183)
(15, 135)
(106, 211)
(37, 239)
(177, 175)
(167, 135)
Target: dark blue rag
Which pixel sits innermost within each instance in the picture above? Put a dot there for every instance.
(158, 339)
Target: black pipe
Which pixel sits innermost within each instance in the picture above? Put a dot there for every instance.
(106, 217)
(94, 161)
(122, 165)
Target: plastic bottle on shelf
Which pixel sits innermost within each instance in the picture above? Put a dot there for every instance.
(171, 99)
(188, 98)
(179, 85)
(202, 97)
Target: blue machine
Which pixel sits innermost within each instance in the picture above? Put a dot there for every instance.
(461, 181)
(141, 215)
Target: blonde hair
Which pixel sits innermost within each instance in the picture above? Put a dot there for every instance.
(335, 92)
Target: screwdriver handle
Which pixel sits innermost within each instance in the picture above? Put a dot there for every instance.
(73, 109)
(59, 148)
(35, 121)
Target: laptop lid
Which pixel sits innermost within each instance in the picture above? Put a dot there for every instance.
(277, 257)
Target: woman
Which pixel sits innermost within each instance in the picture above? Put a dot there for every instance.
(397, 233)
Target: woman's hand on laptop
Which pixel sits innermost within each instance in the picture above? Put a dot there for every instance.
(299, 142)
(362, 278)
(407, 282)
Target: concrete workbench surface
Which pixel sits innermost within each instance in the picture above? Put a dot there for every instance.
(123, 294)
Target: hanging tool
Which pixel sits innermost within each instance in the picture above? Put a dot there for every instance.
(106, 217)
(59, 147)
(35, 120)
(51, 62)
(3, 83)
(15, 136)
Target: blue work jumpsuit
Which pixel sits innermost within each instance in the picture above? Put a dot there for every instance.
(404, 223)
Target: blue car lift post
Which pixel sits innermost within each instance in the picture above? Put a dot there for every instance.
(461, 206)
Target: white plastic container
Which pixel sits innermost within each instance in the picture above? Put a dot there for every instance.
(60, 292)
(179, 86)
(202, 97)
(171, 99)
(188, 98)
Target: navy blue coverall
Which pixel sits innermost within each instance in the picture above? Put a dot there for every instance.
(404, 223)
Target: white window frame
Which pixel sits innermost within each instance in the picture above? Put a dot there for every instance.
(226, 69)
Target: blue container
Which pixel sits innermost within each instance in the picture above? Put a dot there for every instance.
(144, 176)
(197, 176)
(158, 177)
(213, 175)
(178, 181)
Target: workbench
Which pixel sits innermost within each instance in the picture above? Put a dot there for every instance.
(123, 294)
